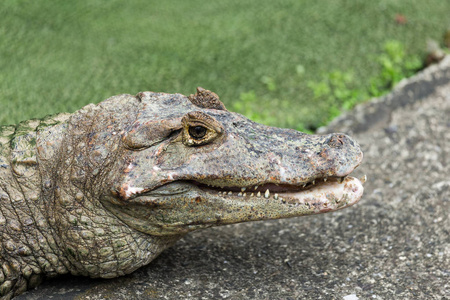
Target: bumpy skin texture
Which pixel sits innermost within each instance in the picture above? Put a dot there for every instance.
(103, 191)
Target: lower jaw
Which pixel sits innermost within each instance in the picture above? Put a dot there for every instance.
(323, 196)
(328, 196)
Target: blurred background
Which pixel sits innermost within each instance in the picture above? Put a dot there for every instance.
(288, 63)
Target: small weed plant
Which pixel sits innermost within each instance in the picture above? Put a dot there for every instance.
(336, 91)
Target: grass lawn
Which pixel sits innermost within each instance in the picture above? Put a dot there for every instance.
(260, 56)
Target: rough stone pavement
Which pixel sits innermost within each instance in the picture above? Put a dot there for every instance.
(394, 244)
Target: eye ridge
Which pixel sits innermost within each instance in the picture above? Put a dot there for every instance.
(197, 132)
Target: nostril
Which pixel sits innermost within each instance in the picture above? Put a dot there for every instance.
(336, 140)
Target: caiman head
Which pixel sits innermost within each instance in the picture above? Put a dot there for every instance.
(103, 191)
(169, 164)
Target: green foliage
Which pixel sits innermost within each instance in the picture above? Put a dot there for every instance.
(300, 69)
(60, 55)
(337, 90)
(248, 106)
(269, 83)
(395, 65)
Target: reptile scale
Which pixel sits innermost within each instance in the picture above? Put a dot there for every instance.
(101, 192)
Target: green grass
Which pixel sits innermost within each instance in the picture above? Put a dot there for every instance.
(262, 57)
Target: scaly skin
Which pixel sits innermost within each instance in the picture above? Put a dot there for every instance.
(103, 191)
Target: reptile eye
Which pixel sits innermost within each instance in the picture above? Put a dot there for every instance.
(197, 132)
(199, 129)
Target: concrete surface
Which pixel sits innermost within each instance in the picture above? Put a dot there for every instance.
(394, 244)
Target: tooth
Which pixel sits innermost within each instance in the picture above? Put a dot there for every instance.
(243, 189)
(275, 196)
(240, 194)
(340, 179)
(259, 194)
(256, 187)
(282, 200)
(230, 193)
(252, 195)
(267, 193)
(324, 179)
(313, 182)
(244, 194)
(220, 193)
(304, 185)
(363, 179)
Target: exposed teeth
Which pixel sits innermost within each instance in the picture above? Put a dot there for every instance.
(363, 179)
(266, 195)
(276, 196)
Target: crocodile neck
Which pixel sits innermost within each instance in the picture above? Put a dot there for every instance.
(28, 249)
(48, 224)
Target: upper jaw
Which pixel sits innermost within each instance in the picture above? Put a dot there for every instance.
(272, 185)
(285, 192)
(266, 185)
(333, 191)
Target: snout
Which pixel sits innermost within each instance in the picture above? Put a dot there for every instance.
(345, 152)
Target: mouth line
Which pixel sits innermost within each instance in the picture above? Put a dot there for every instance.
(318, 196)
(264, 188)
(329, 193)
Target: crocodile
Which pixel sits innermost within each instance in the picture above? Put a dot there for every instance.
(103, 191)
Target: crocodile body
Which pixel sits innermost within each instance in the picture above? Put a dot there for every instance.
(103, 191)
